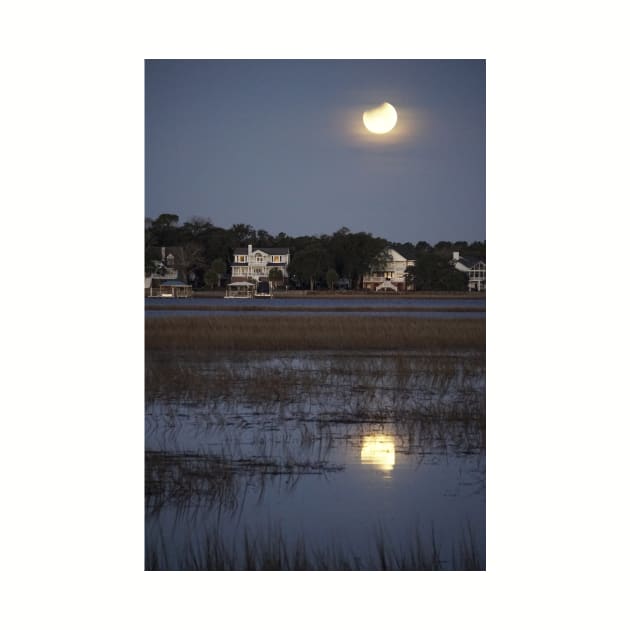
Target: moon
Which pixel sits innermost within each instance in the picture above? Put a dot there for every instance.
(381, 119)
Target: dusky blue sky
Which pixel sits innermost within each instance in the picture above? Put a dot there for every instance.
(281, 145)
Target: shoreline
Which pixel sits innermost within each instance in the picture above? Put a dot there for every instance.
(345, 295)
(179, 306)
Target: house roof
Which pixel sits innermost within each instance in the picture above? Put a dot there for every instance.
(470, 262)
(405, 250)
(396, 255)
(174, 283)
(266, 250)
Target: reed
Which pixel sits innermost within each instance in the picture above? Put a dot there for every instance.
(427, 399)
(312, 309)
(269, 396)
(271, 551)
(390, 381)
(187, 480)
(208, 335)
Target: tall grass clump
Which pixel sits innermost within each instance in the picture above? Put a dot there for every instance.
(272, 551)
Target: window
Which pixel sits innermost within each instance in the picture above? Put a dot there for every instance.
(276, 259)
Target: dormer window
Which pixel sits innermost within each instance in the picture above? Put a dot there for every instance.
(259, 258)
(170, 260)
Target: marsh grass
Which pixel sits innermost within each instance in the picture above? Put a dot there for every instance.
(468, 555)
(272, 551)
(273, 398)
(283, 402)
(186, 480)
(266, 377)
(421, 397)
(206, 335)
(312, 309)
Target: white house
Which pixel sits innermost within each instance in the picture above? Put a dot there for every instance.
(476, 270)
(256, 263)
(390, 275)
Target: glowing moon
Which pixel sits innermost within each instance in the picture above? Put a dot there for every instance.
(381, 119)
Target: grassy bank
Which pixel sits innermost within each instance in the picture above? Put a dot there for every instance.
(277, 333)
(259, 307)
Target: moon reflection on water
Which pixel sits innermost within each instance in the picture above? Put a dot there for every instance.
(379, 451)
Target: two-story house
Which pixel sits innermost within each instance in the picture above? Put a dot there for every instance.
(251, 263)
(390, 275)
(476, 270)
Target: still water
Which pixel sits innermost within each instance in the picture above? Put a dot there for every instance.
(375, 307)
(338, 453)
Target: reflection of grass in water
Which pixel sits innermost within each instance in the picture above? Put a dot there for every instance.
(322, 332)
(184, 479)
(187, 480)
(272, 552)
(423, 400)
(284, 380)
(432, 394)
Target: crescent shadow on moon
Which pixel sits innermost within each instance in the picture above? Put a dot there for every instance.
(381, 119)
(410, 124)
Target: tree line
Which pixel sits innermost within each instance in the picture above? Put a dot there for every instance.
(326, 260)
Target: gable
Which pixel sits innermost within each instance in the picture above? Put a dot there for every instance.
(396, 256)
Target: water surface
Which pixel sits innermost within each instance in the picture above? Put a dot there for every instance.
(374, 307)
(335, 451)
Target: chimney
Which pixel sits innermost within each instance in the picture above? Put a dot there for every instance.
(455, 255)
(249, 250)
